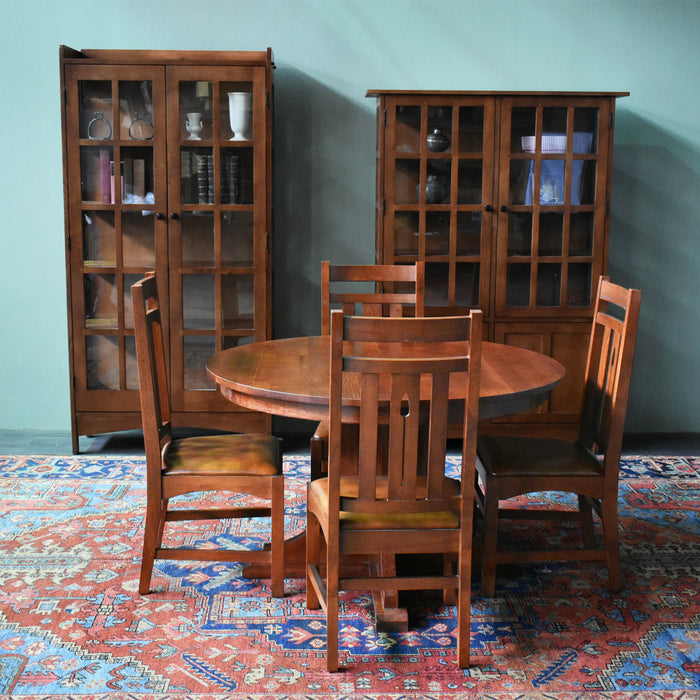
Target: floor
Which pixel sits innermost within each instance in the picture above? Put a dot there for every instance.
(29, 442)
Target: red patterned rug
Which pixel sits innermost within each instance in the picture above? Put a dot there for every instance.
(72, 624)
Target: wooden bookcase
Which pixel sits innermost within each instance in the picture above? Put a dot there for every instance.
(156, 178)
(457, 177)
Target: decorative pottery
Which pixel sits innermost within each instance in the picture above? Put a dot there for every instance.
(239, 114)
(437, 141)
(194, 126)
(437, 189)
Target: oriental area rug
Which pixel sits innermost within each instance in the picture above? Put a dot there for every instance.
(72, 624)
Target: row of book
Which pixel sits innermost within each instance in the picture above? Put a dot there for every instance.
(132, 178)
(198, 181)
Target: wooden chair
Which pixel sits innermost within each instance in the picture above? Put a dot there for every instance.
(249, 464)
(512, 466)
(399, 501)
(397, 290)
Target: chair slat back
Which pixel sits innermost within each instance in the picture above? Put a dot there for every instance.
(371, 290)
(403, 368)
(609, 368)
(153, 377)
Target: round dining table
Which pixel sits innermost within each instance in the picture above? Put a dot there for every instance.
(289, 377)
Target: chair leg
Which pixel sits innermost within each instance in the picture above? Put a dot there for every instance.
(312, 540)
(490, 552)
(152, 537)
(332, 564)
(277, 538)
(586, 511)
(612, 542)
(464, 609)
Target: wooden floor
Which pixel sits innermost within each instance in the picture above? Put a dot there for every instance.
(30, 442)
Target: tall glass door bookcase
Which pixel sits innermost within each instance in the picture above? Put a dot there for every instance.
(506, 196)
(167, 167)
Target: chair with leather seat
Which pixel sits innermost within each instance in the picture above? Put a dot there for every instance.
(511, 466)
(243, 464)
(398, 500)
(364, 290)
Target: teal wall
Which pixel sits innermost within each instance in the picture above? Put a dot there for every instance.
(328, 53)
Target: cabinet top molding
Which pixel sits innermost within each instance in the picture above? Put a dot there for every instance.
(130, 56)
(496, 93)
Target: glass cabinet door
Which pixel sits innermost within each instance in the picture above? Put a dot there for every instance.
(552, 206)
(217, 135)
(116, 160)
(439, 195)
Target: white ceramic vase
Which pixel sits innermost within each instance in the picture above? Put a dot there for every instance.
(239, 114)
(194, 126)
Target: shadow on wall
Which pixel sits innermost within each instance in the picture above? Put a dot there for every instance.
(324, 193)
(654, 246)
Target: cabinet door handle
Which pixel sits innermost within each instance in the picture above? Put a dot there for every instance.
(160, 216)
(488, 207)
(174, 216)
(504, 208)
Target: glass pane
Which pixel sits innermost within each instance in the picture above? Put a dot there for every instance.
(139, 238)
(469, 233)
(549, 284)
(467, 284)
(237, 238)
(470, 181)
(471, 129)
(579, 292)
(238, 302)
(128, 307)
(406, 232)
(100, 301)
(234, 341)
(197, 230)
(236, 176)
(131, 364)
(519, 233)
(137, 175)
(581, 233)
(553, 121)
(236, 109)
(198, 301)
(552, 182)
(99, 239)
(136, 110)
(437, 186)
(197, 349)
(518, 284)
(197, 176)
(97, 174)
(586, 122)
(195, 110)
(586, 192)
(95, 99)
(406, 181)
(551, 233)
(437, 233)
(439, 137)
(408, 129)
(521, 181)
(102, 353)
(437, 276)
(522, 122)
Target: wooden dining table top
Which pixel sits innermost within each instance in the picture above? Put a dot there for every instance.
(290, 376)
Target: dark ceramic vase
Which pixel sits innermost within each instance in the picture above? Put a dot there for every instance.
(437, 141)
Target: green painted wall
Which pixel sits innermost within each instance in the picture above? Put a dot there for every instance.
(328, 53)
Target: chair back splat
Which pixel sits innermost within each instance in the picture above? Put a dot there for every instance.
(248, 464)
(400, 380)
(364, 290)
(514, 466)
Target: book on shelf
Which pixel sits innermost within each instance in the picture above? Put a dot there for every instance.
(139, 177)
(105, 181)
